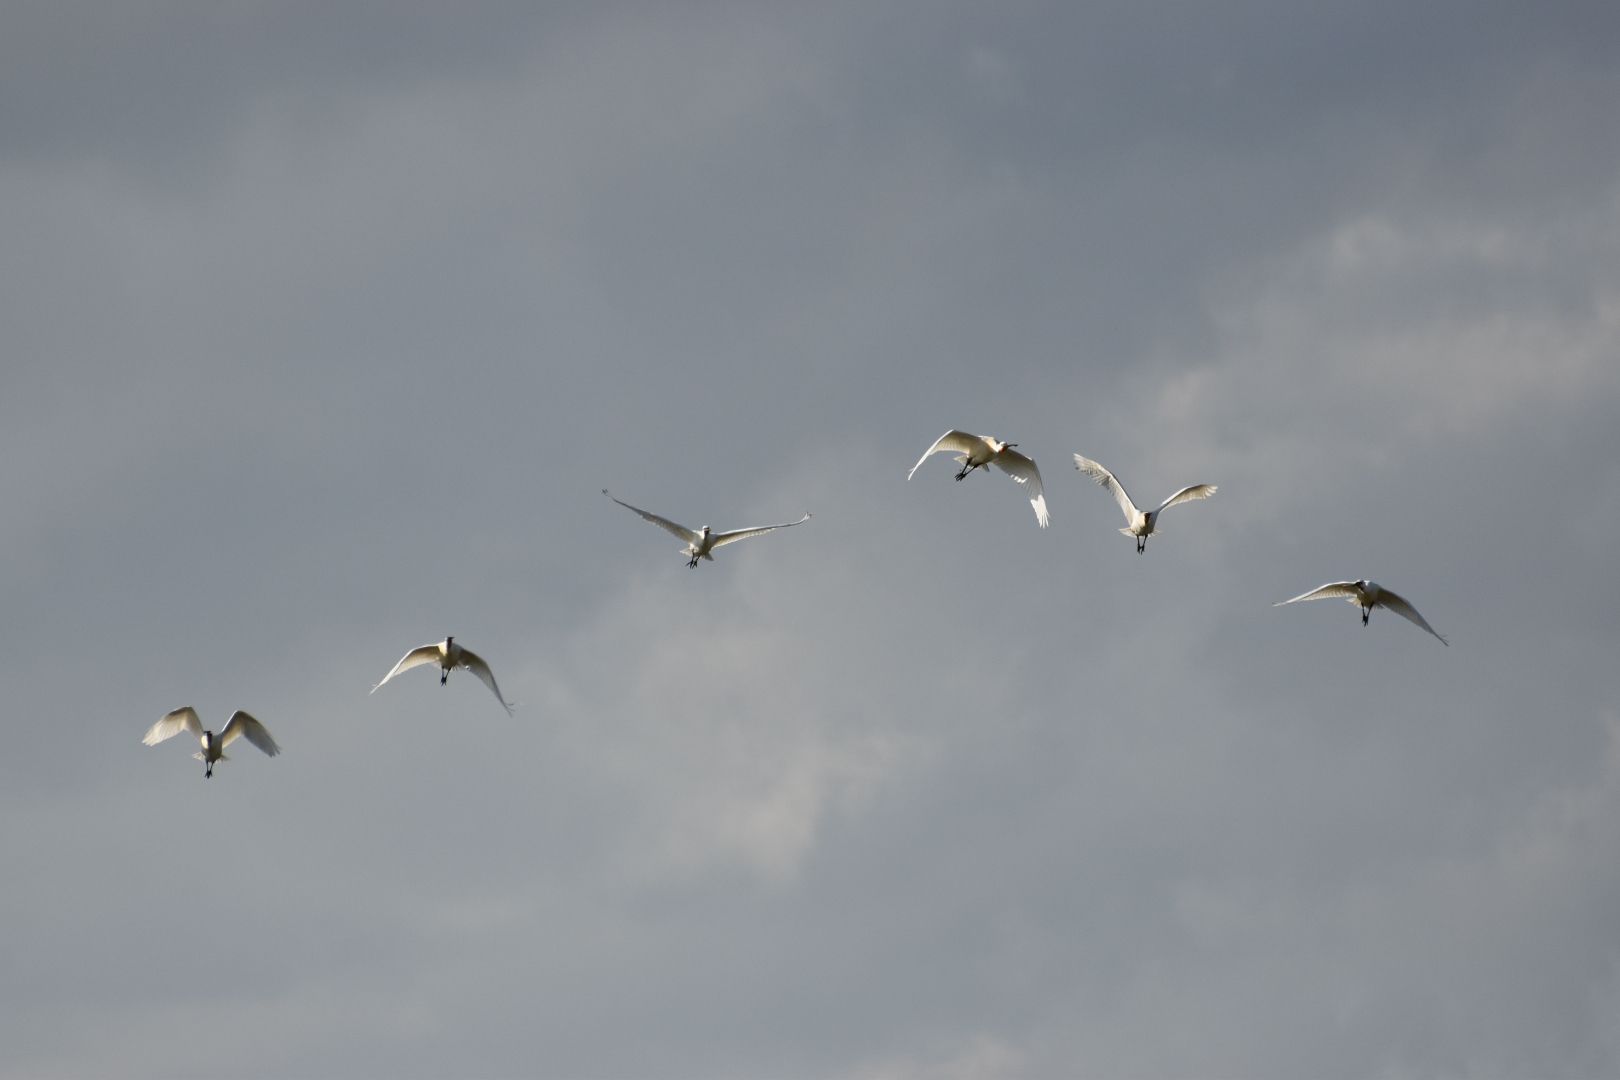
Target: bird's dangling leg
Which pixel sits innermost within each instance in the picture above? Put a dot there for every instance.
(444, 676)
(1141, 544)
(1366, 613)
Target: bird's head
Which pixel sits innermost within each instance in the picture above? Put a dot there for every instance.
(705, 532)
(448, 639)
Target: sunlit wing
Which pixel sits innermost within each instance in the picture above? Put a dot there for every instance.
(1107, 481)
(1342, 590)
(689, 535)
(242, 725)
(475, 664)
(960, 442)
(1188, 494)
(732, 536)
(173, 724)
(1023, 470)
(1399, 606)
(422, 654)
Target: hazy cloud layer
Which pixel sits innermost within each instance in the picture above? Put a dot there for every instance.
(325, 326)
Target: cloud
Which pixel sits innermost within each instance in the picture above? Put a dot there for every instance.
(979, 1058)
(326, 328)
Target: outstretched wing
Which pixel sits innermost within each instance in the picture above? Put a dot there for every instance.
(1338, 590)
(173, 724)
(1109, 483)
(475, 664)
(422, 654)
(961, 442)
(681, 531)
(1023, 470)
(732, 536)
(1188, 494)
(242, 725)
(1397, 603)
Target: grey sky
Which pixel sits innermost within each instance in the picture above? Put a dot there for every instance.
(325, 325)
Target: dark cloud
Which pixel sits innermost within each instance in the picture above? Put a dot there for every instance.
(327, 326)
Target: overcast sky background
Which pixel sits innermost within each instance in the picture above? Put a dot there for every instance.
(324, 325)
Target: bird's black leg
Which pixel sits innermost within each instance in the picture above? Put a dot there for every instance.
(444, 677)
(1366, 613)
(1141, 544)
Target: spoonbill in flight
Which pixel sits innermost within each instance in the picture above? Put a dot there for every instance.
(1367, 595)
(1138, 523)
(448, 655)
(976, 451)
(213, 746)
(700, 542)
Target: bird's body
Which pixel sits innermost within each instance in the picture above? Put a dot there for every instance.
(213, 746)
(701, 543)
(977, 451)
(449, 656)
(1367, 595)
(1138, 523)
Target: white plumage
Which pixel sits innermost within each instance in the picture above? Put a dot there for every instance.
(448, 655)
(976, 451)
(701, 542)
(240, 725)
(1367, 595)
(1138, 523)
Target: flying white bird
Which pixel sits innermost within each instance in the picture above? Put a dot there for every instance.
(1367, 595)
(976, 451)
(447, 654)
(213, 746)
(1138, 523)
(700, 542)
